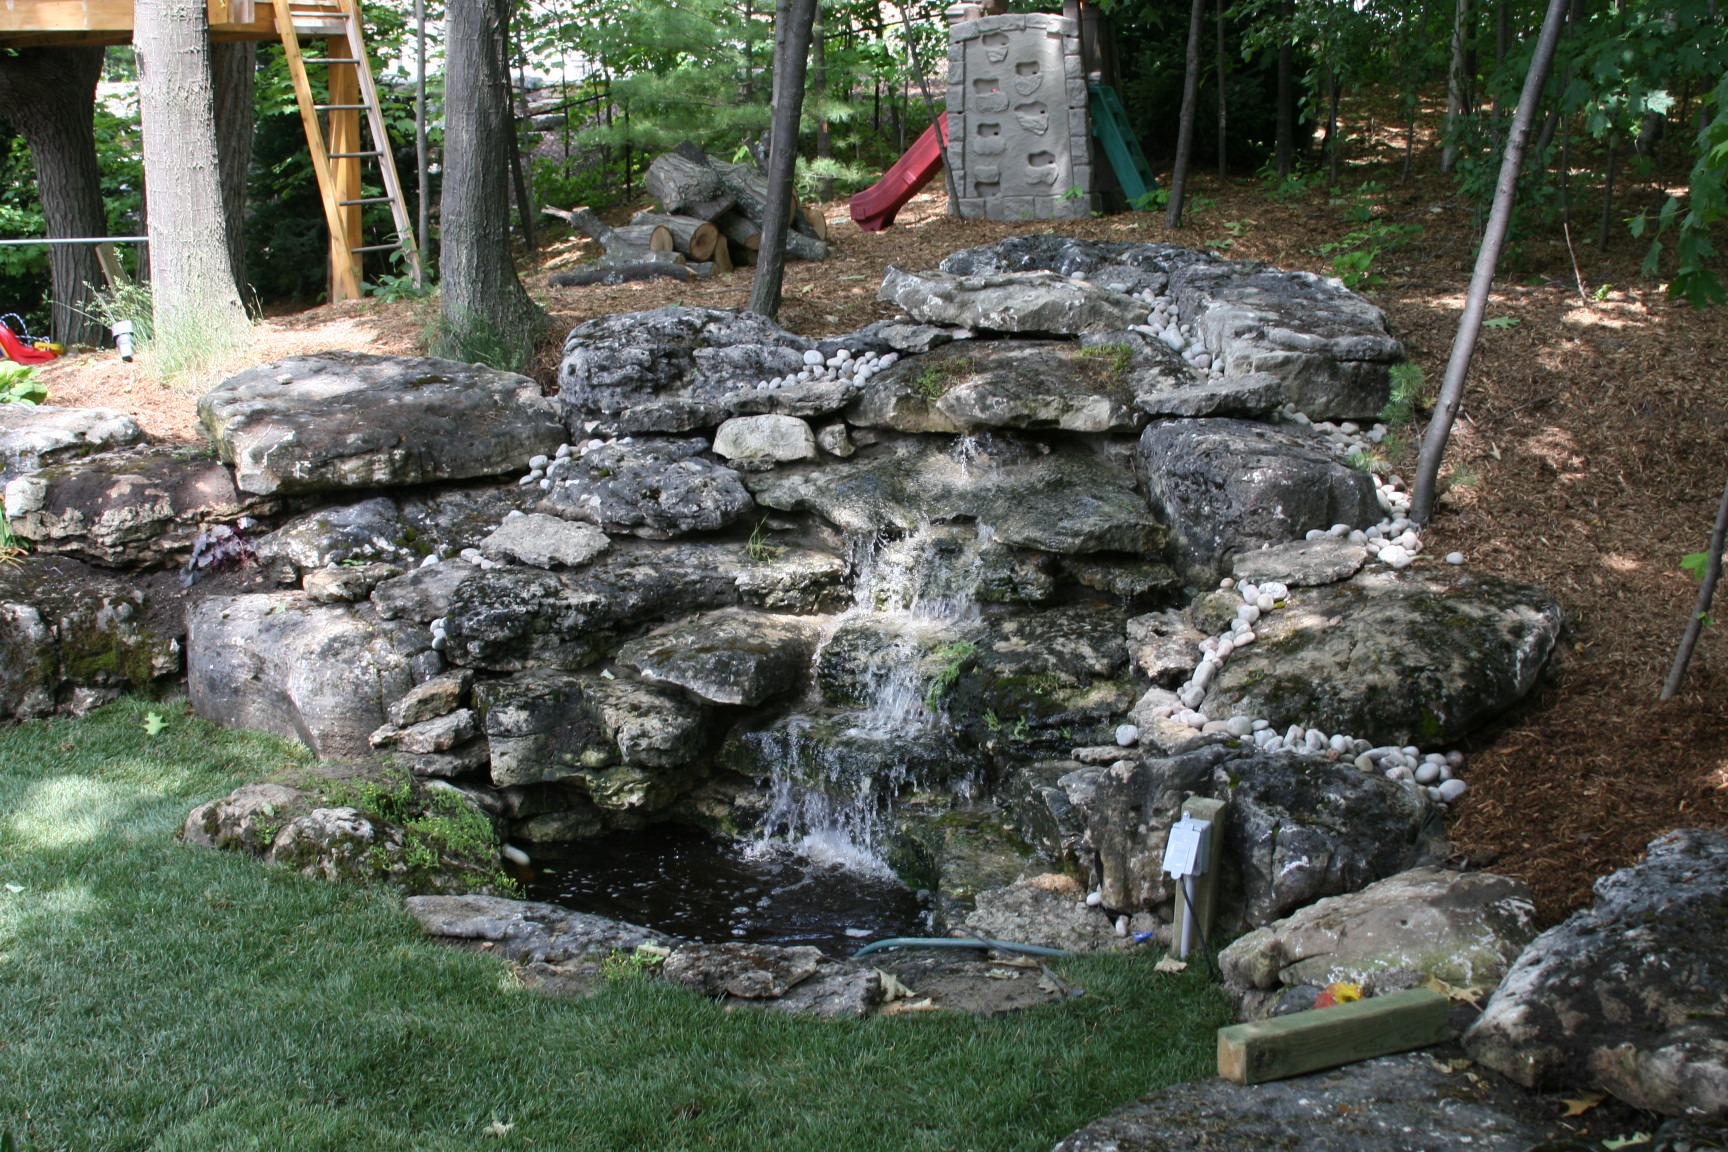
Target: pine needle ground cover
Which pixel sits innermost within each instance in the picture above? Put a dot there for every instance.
(154, 995)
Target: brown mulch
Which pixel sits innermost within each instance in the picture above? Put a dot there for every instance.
(1591, 454)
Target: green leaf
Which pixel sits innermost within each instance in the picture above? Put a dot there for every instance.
(1614, 1144)
(1501, 322)
(154, 724)
(1694, 564)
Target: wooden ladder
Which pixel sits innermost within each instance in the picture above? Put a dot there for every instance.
(337, 158)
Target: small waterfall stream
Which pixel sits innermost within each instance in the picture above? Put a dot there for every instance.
(836, 772)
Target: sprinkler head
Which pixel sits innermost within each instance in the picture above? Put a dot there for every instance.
(122, 331)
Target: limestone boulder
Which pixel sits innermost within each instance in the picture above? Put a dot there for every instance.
(672, 370)
(400, 529)
(656, 489)
(630, 746)
(508, 619)
(1252, 395)
(325, 674)
(1048, 910)
(747, 971)
(1298, 829)
(247, 819)
(894, 662)
(944, 569)
(733, 656)
(525, 932)
(1051, 669)
(1329, 347)
(346, 420)
(1164, 646)
(1405, 1103)
(1627, 995)
(1229, 486)
(850, 760)
(1044, 384)
(1301, 828)
(1464, 928)
(1064, 498)
(1028, 302)
(36, 436)
(543, 541)
(774, 439)
(72, 637)
(423, 594)
(1391, 658)
(129, 508)
(1301, 563)
(1117, 267)
(348, 584)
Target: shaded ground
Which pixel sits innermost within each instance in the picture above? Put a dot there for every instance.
(1590, 457)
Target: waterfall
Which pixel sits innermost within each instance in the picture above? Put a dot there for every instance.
(834, 773)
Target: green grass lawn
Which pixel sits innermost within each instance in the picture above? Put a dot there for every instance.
(154, 995)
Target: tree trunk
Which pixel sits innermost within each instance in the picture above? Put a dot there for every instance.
(1493, 239)
(422, 156)
(1334, 146)
(824, 140)
(1286, 132)
(1700, 608)
(512, 141)
(1185, 130)
(198, 315)
(49, 95)
(1456, 85)
(232, 66)
(792, 23)
(487, 316)
(1220, 70)
(1607, 223)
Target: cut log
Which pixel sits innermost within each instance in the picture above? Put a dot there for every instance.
(745, 185)
(619, 248)
(619, 274)
(743, 232)
(722, 255)
(653, 237)
(708, 209)
(818, 222)
(695, 238)
(677, 180)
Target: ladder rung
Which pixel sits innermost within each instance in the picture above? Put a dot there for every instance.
(328, 60)
(376, 248)
(341, 107)
(365, 200)
(351, 155)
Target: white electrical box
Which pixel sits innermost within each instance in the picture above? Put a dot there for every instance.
(1186, 850)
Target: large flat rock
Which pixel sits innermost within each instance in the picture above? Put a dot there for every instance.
(733, 656)
(1066, 498)
(344, 420)
(128, 508)
(35, 436)
(1028, 302)
(1391, 658)
(654, 488)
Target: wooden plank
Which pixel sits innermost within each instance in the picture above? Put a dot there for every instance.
(109, 261)
(1327, 1037)
(110, 16)
(343, 135)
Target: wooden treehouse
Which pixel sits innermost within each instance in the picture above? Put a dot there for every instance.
(345, 134)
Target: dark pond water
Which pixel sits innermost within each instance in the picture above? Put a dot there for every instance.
(691, 885)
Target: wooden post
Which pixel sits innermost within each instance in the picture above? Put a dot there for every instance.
(1206, 884)
(1327, 1037)
(344, 136)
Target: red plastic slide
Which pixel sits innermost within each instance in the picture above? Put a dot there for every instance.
(873, 209)
(16, 349)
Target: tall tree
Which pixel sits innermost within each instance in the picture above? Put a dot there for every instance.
(792, 23)
(232, 68)
(49, 95)
(1185, 129)
(1482, 279)
(198, 314)
(486, 313)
